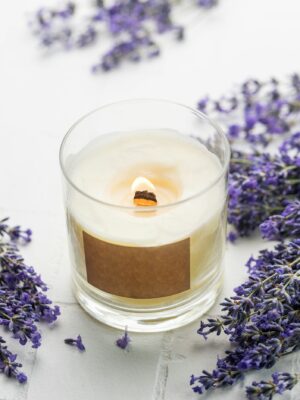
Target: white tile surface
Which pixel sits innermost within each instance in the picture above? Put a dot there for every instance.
(40, 97)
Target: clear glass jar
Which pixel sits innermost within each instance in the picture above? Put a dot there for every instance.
(148, 268)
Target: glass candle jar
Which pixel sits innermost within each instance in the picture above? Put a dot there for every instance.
(145, 194)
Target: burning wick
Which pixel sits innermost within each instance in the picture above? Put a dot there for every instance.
(144, 198)
(143, 191)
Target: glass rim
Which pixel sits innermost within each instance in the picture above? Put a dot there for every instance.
(197, 113)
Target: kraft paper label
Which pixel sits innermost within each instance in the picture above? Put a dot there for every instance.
(137, 272)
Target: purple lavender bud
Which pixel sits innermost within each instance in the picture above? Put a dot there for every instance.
(17, 234)
(286, 224)
(123, 341)
(21, 377)
(234, 131)
(207, 3)
(76, 342)
(251, 119)
(202, 104)
(87, 37)
(269, 229)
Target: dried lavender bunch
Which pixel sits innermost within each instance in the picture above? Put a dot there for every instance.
(8, 364)
(132, 24)
(262, 319)
(262, 185)
(265, 390)
(22, 301)
(285, 224)
(257, 111)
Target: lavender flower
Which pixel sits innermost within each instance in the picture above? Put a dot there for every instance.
(131, 49)
(256, 111)
(261, 320)
(15, 233)
(22, 301)
(76, 342)
(132, 24)
(265, 390)
(260, 186)
(290, 149)
(8, 364)
(285, 224)
(123, 341)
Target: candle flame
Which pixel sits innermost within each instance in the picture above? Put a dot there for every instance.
(140, 183)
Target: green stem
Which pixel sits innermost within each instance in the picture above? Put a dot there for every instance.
(293, 181)
(4, 315)
(241, 161)
(295, 262)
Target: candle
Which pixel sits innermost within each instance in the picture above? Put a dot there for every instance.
(146, 218)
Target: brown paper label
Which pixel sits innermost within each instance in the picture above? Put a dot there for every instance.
(137, 272)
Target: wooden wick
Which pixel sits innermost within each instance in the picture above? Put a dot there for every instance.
(144, 198)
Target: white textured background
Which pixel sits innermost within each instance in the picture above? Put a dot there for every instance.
(40, 98)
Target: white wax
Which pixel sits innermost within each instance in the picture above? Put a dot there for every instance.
(179, 166)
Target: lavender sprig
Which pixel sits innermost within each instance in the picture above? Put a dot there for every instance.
(22, 301)
(262, 319)
(257, 111)
(285, 224)
(261, 185)
(132, 24)
(265, 390)
(15, 233)
(8, 364)
(76, 342)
